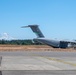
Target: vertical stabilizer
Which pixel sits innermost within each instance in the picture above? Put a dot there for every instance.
(36, 30)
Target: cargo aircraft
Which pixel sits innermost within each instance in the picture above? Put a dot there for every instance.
(54, 43)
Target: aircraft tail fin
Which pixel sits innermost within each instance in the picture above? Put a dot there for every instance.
(36, 30)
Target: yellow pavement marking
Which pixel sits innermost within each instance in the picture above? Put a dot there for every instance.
(59, 60)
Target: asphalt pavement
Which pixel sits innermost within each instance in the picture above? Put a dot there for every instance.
(37, 63)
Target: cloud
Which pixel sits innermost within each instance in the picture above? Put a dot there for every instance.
(6, 36)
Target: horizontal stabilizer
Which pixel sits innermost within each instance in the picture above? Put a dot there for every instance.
(36, 30)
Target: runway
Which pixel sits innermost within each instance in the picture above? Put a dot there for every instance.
(36, 72)
(38, 63)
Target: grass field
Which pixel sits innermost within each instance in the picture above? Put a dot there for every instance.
(31, 48)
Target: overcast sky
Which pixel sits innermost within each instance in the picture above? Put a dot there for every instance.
(56, 18)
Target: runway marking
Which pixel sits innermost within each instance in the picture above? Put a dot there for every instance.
(58, 60)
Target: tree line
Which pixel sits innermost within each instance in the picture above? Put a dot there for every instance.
(20, 42)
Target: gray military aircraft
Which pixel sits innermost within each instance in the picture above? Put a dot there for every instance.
(54, 43)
